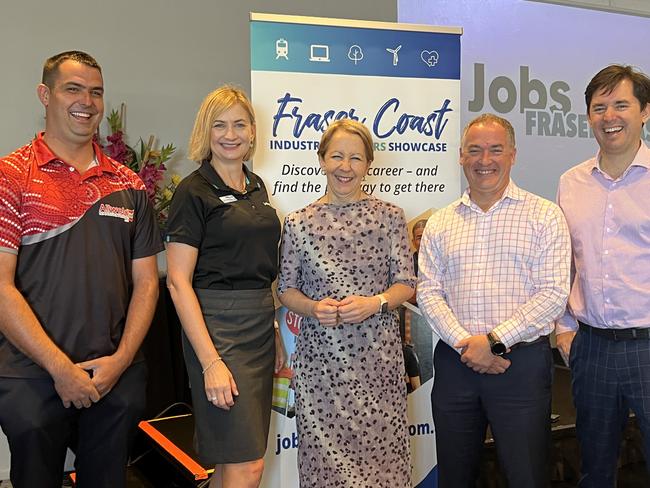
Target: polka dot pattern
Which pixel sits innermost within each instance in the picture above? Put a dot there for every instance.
(350, 393)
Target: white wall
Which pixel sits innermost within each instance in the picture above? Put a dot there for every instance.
(161, 58)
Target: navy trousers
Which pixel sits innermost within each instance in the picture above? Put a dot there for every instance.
(516, 405)
(609, 378)
(39, 431)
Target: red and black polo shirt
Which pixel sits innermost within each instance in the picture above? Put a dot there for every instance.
(75, 237)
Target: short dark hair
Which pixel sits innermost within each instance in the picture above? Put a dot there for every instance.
(608, 78)
(51, 66)
(488, 118)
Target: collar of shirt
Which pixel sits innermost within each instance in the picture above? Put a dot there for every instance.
(44, 155)
(641, 159)
(512, 192)
(208, 172)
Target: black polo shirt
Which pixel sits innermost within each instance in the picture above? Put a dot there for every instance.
(236, 233)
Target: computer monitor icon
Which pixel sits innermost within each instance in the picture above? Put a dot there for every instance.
(319, 53)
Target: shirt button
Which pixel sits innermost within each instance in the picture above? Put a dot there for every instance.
(606, 276)
(605, 251)
(609, 206)
(71, 169)
(608, 229)
(607, 300)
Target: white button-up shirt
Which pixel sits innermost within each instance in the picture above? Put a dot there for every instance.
(505, 270)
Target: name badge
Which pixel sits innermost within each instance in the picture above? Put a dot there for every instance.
(228, 199)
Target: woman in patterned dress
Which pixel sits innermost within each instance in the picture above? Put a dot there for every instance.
(345, 266)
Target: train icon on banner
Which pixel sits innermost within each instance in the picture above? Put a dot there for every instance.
(282, 49)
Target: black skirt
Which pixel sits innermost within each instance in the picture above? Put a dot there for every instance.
(240, 323)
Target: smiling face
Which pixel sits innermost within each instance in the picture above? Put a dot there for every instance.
(345, 162)
(231, 135)
(74, 105)
(487, 157)
(616, 118)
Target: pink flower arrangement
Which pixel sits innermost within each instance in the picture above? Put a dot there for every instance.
(117, 148)
(147, 162)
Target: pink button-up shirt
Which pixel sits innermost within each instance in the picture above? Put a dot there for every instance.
(609, 221)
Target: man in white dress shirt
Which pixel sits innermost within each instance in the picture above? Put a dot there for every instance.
(493, 277)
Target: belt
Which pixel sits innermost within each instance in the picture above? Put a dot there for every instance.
(632, 333)
(525, 344)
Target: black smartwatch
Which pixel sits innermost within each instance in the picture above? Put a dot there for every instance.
(497, 347)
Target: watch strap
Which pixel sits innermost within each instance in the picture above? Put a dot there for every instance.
(383, 303)
(497, 347)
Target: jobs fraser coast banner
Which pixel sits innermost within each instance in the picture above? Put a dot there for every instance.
(403, 82)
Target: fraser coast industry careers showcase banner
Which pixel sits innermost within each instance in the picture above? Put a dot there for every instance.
(403, 82)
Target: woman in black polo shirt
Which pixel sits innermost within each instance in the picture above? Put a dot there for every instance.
(222, 257)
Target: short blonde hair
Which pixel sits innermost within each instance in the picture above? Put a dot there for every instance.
(212, 107)
(350, 126)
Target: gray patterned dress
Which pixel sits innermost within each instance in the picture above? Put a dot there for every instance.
(350, 391)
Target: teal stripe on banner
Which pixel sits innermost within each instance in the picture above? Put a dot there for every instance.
(301, 48)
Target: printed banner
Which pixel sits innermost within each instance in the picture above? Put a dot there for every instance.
(538, 81)
(403, 83)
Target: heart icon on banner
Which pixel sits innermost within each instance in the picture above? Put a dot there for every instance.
(430, 58)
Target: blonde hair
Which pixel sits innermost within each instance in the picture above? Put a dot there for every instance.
(350, 126)
(216, 103)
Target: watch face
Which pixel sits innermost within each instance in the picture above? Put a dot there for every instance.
(498, 348)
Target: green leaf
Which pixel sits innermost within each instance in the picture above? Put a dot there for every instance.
(166, 153)
(114, 121)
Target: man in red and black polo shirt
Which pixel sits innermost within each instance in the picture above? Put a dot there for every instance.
(78, 287)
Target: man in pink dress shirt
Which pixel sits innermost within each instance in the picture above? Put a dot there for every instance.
(604, 334)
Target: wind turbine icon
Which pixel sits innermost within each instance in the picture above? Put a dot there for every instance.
(394, 53)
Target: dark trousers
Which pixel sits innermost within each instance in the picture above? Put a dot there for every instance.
(609, 378)
(39, 431)
(516, 405)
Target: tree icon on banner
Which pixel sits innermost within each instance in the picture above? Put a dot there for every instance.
(355, 53)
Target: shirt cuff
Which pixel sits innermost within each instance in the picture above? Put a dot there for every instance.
(507, 333)
(458, 336)
(566, 323)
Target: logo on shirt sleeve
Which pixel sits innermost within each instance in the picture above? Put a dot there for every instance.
(125, 214)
